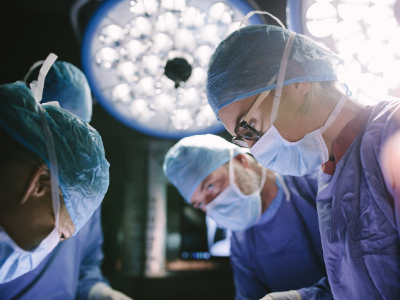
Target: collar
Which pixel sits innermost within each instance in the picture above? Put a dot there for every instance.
(345, 138)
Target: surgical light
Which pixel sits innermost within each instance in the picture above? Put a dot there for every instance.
(146, 61)
(365, 33)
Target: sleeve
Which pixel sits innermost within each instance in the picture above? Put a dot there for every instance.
(90, 272)
(247, 284)
(319, 291)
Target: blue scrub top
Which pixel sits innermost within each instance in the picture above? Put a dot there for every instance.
(283, 250)
(68, 272)
(357, 216)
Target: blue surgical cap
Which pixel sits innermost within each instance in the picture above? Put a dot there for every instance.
(193, 158)
(83, 169)
(247, 63)
(66, 84)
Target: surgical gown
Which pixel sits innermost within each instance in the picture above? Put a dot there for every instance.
(67, 273)
(283, 250)
(357, 217)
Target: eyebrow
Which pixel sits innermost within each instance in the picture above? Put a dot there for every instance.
(239, 119)
(243, 115)
(202, 184)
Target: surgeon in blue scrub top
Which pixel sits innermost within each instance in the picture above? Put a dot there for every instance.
(72, 269)
(277, 92)
(275, 244)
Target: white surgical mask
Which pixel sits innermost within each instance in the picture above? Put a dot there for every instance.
(232, 209)
(14, 261)
(292, 158)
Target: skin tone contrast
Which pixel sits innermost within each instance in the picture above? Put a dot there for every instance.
(26, 208)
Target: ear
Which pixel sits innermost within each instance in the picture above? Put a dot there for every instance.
(38, 183)
(302, 88)
(242, 159)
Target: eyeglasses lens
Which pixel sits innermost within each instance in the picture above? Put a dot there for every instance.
(247, 133)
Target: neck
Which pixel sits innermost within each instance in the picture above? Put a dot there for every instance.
(349, 111)
(269, 190)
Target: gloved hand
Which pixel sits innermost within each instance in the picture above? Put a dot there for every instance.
(101, 291)
(290, 295)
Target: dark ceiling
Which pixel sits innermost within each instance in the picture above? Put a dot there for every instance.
(31, 29)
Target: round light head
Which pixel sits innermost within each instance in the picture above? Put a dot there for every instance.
(146, 61)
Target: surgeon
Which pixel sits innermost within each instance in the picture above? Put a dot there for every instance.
(275, 244)
(67, 85)
(71, 270)
(277, 92)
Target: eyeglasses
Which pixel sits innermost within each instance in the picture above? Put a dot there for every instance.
(243, 130)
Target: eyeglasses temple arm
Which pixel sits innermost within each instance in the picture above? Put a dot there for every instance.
(256, 104)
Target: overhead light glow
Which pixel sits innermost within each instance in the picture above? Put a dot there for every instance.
(321, 19)
(146, 60)
(365, 33)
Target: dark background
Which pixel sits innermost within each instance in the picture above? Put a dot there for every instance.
(29, 31)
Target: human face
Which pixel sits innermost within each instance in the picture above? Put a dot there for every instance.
(290, 124)
(26, 212)
(245, 178)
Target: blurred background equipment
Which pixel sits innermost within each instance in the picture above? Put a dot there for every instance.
(146, 61)
(366, 34)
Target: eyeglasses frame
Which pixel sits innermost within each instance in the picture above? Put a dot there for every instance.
(245, 123)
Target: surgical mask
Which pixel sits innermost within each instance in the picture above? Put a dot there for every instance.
(292, 158)
(14, 261)
(232, 209)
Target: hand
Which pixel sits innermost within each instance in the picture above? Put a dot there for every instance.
(290, 295)
(101, 291)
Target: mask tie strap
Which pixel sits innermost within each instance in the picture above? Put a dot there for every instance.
(231, 171)
(264, 172)
(260, 13)
(281, 76)
(284, 186)
(37, 89)
(335, 112)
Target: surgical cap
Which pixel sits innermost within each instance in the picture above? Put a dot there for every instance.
(83, 169)
(193, 158)
(66, 84)
(247, 63)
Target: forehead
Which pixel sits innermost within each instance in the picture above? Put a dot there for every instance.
(231, 114)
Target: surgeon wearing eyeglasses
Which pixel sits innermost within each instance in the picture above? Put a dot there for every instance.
(275, 244)
(277, 92)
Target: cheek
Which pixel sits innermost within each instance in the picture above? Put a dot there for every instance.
(220, 186)
(263, 114)
(223, 184)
